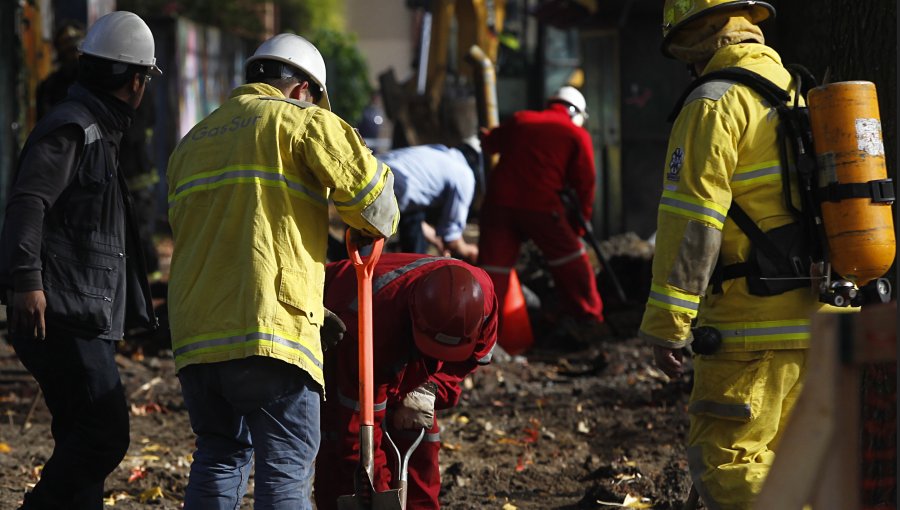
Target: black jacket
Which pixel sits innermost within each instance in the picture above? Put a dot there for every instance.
(68, 223)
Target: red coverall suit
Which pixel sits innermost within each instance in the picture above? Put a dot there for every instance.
(541, 152)
(399, 369)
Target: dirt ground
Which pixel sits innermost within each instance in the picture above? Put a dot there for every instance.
(598, 428)
(544, 431)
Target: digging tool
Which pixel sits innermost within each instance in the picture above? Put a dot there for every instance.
(365, 497)
(401, 480)
(571, 203)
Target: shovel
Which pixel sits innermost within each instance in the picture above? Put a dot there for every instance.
(401, 481)
(570, 201)
(365, 497)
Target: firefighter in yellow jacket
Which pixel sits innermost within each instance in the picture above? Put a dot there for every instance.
(249, 188)
(723, 149)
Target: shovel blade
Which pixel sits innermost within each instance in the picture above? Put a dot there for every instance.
(387, 500)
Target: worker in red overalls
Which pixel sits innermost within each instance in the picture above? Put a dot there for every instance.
(541, 154)
(434, 323)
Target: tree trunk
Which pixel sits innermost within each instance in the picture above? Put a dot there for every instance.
(848, 39)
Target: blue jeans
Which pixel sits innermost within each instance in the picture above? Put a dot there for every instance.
(274, 403)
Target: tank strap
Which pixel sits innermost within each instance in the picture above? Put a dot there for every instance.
(880, 191)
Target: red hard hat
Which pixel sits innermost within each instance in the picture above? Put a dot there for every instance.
(447, 307)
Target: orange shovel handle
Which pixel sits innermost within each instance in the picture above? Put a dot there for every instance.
(365, 267)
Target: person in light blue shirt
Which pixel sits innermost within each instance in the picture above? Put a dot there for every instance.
(437, 182)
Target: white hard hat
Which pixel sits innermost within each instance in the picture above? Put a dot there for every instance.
(295, 51)
(121, 36)
(572, 96)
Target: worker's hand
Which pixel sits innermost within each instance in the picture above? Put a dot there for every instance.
(416, 410)
(332, 331)
(668, 360)
(463, 250)
(432, 238)
(28, 314)
(483, 132)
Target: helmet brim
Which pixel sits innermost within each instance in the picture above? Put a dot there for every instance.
(759, 12)
(435, 348)
(152, 68)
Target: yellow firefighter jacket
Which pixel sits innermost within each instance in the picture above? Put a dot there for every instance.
(723, 147)
(248, 204)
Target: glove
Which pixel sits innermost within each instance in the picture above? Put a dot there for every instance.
(332, 330)
(416, 410)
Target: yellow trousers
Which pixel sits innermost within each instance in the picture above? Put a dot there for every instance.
(739, 408)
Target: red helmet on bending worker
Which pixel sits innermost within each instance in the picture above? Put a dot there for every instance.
(447, 309)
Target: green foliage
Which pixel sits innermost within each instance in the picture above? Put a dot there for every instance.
(348, 83)
(241, 16)
(306, 16)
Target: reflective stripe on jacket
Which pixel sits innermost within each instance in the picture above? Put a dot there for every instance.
(248, 204)
(723, 146)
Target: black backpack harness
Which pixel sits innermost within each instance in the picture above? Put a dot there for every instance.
(771, 269)
(780, 259)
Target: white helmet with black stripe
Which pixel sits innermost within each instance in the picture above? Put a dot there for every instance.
(297, 52)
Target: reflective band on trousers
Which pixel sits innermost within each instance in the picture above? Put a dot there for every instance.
(769, 331)
(568, 258)
(190, 345)
(720, 409)
(365, 191)
(242, 175)
(767, 171)
(692, 207)
(349, 403)
(669, 299)
(387, 278)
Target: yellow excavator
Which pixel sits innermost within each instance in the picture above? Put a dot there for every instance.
(458, 47)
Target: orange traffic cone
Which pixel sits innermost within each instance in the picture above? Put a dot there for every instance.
(515, 334)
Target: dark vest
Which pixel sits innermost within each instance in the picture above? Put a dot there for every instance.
(94, 273)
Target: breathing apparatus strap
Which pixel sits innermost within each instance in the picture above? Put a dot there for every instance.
(797, 158)
(880, 191)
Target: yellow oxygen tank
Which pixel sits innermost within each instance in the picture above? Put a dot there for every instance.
(855, 193)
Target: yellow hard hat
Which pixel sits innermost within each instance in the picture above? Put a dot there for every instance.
(678, 13)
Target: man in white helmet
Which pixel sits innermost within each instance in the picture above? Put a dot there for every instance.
(71, 263)
(543, 153)
(435, 183)
(249, 188)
